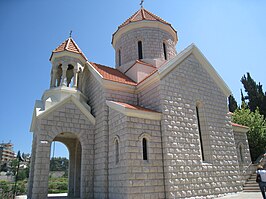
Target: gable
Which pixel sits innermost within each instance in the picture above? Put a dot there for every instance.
(193, 50)
(83, 108)
(139, 71)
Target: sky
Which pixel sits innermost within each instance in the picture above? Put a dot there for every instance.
(230, 34)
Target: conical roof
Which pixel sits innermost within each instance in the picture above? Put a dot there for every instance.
(70, 46)
(143, 14)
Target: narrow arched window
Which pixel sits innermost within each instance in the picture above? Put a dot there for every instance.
(116, 151)
(145, 149)
(241, 153)
(119, 57)
(140, 50)
(69, 74)
(200, 133)
(164, 51)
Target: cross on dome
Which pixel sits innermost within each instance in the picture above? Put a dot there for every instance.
(142, 1)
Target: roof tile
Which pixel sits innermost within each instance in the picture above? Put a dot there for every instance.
(113, 74)
(70, 46)
(143, 14)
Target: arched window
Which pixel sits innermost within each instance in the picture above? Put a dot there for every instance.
(241, 153)
(200, 133)
(145, 149)
(119, 57)
(164, 51)
(116, 151)
(69, 74)
(140, 50)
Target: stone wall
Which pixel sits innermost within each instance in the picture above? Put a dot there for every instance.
(150, 97)
(243, 153)
(152, 44)
(245, 165)
(96, 99)
(187, 175)
(133, 177)
(120, 96)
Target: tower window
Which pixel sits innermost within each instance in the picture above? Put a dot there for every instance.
(200, 133)
(164, 51)
(119, 57)
(140, 50)
(145, 149)
(69, 74)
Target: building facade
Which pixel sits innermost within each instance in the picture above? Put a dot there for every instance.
(155, 126)
(6, 152)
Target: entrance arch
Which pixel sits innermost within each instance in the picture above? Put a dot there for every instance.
(70, 122)
(71, 141)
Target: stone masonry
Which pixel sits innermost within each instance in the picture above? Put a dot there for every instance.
(167, 136)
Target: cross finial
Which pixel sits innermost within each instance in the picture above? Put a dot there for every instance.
(142, 1)
(70, 33)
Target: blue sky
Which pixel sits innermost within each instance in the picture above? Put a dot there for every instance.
(231, 35)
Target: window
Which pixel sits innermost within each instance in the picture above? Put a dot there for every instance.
(116, 151)
(140, 50)
(69, 74)
(119, 57)
(145, 149)
(164, 51)
(241, 153)
(200, 133)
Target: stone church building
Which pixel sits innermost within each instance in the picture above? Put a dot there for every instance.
(155, 126)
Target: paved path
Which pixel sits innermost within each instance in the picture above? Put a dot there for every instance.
(241, 195)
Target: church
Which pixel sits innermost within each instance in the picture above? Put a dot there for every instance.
(155, 126)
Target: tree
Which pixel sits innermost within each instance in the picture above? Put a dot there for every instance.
(257, 129)
(255, 96)
(232, 104)
(59, 164)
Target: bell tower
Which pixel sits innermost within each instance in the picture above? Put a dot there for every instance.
(67, 62)
(62, 104)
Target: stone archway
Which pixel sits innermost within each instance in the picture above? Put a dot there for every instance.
(68, 121)
(81, 163)
(73, 145)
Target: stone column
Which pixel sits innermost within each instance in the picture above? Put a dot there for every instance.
(64, 77)
(71, 171)
(53, 78)
(77, 169)
(32, 163)
(41, 170)
(86, 171)
(75, 80)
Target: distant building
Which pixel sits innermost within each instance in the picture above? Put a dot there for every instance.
(6, 152)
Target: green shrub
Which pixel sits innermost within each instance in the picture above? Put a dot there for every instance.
(58, 185)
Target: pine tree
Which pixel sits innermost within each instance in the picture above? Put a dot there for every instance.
(255, 96)
(232, 104)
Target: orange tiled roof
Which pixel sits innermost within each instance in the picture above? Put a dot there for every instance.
(239, 125)
(113, 74)
(70, 46)
(134, 107)
(143, 14)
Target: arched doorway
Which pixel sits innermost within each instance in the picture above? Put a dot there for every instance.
(73, 145)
